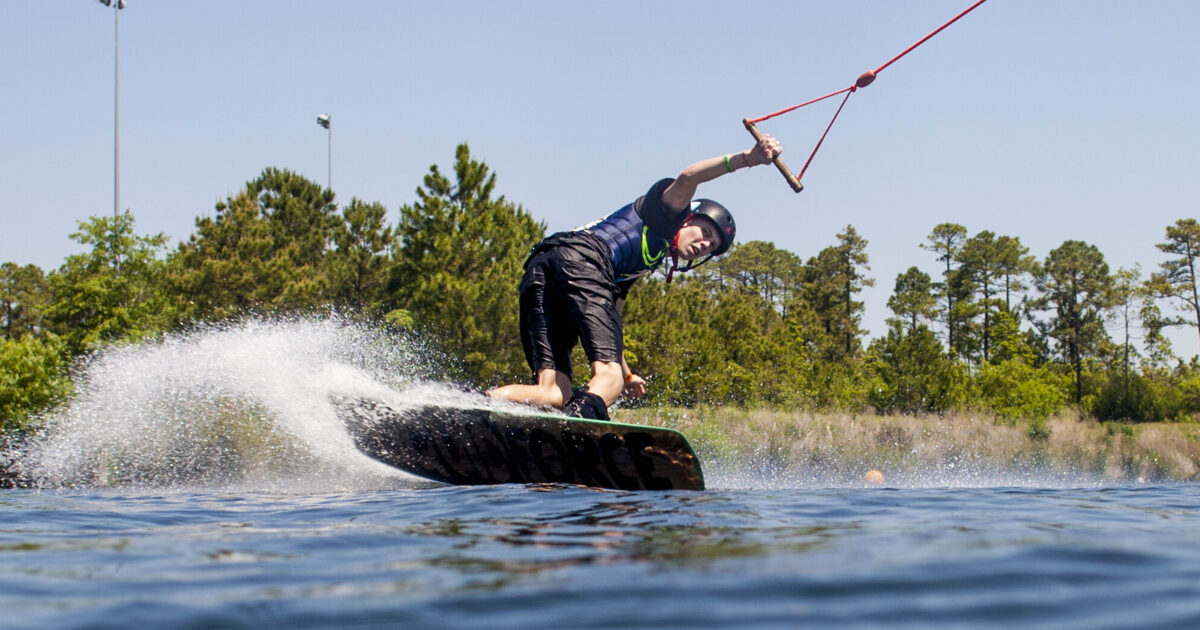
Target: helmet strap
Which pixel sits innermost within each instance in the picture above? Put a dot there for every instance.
(675, 252)
(691, 264)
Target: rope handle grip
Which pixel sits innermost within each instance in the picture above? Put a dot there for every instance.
(783, 168)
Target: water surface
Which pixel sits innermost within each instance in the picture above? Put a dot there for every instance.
(551, 556)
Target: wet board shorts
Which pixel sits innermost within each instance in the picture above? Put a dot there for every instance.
(567, 295)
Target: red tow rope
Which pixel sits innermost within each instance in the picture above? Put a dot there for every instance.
(863, 81)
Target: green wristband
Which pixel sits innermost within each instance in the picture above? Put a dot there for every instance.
(728, 166)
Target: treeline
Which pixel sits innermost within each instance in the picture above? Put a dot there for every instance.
(997, 330)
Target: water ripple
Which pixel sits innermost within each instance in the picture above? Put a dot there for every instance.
(550, 556)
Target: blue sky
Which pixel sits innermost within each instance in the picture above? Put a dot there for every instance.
(1048, 121)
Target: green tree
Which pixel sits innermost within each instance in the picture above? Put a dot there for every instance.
(979, 270)
(264, 250)
(302, 217)
(112, 291)
(1010, 343)
(358, 266)
(912, 299)
(832, 278)
(23, 295)
(914, 373)
(1014, 384)
(1015, 390)
(761, 268)
(459, 258)
(750, 292)
(1126, 289)
(946, 240)
(1157, 345)
(746, 327)
(1076, 286)
(1015, 264)
(724, 335)
(991, 266)
(1177, 276)
(226, 266)
(33, 377)
(1138, 399)
(668, 340)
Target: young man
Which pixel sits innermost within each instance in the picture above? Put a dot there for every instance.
(575, 283)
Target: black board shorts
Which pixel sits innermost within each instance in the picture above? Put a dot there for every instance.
(568, 295)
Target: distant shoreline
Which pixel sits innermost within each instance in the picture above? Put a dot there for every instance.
(839, 447)
(787, 449)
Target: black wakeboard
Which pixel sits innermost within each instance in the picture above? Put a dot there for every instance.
(474, 446)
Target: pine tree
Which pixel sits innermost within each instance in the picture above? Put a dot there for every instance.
(459, 256)
(1157, 345)
(1126, 289)
(1014, 264)
(1076, 287)
(263, 251)
(980, 266)
(832, 278)
(357, 267)
(1177, 278)
(914, 373)
(758, 267)
(945, 240)
(913, 301)
(669, 339)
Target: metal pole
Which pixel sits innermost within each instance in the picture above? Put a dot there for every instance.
(116, 110)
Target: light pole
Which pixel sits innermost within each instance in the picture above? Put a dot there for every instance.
(120, 4)
(324, 120)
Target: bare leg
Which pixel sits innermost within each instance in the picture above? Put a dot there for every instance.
(607, 381)
(553, 388)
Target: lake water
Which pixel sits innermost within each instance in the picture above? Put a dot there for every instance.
(565, 557)
(205, 482)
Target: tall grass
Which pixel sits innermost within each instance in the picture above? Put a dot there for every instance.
(953, 449)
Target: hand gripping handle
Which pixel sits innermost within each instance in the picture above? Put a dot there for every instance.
(787, 173)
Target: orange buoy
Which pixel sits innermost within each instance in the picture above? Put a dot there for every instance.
(873, 478)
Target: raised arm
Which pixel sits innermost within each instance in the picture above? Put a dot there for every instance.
(678, 195)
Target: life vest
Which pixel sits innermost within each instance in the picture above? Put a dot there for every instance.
(636, 250)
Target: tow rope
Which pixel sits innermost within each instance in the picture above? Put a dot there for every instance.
(863, 81)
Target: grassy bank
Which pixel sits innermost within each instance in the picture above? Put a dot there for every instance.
(958, 449)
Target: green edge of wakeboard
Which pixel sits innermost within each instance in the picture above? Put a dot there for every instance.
(474, 446)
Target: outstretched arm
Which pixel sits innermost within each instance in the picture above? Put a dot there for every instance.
(678, 195)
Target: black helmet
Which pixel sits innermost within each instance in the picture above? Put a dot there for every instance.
(719, 215)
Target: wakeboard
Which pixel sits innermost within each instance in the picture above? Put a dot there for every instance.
(475, 446)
